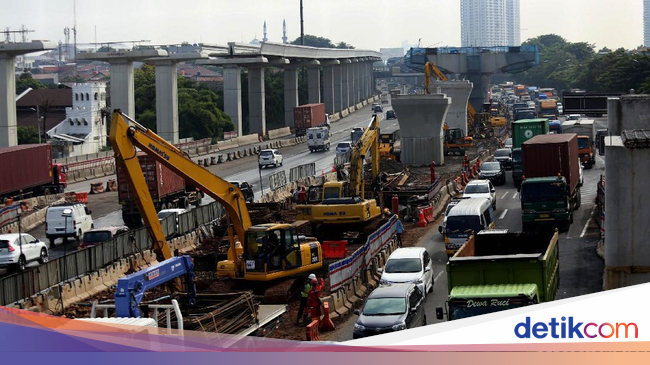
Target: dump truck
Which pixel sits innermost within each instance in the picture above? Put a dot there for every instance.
(549, 190)
(548, 109)
(523, 130)
(167, 189)
(29, 171)
(307, 116)
(585, 129)
(498, 270)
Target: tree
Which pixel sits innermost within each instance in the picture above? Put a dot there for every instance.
(321, 42)
(25, 81)
(344, 45)
(75, 79)
(27, 135)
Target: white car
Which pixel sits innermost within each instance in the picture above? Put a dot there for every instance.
(270, 157)
(18, 250)
(409, 265)
(343, 147)
(581, 176)
(67, 220)
(482, 189)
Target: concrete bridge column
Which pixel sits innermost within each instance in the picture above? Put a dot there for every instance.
(232, 95)
(354, 90)
(167, 101)
(122, 94)
(459, 92)
(369, 82)
(290, 94)
(8, 127)
(313, 85)
(338, 88)
(421, 120)
(363, 81)
(256, 101)
(346, 81)
(328, 89)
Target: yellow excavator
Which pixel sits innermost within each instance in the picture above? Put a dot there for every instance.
(262, 252)
(343, 202)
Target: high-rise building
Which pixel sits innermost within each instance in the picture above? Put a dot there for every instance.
(646, 23)
(490, 23)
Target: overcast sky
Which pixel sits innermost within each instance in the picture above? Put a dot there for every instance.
(367, 24)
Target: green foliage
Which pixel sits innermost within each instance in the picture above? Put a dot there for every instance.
(321, 42)
(565, 65)
(77, 79)
(25, 81)
(27, 135)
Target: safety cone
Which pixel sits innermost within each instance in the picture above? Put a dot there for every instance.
(422, 222)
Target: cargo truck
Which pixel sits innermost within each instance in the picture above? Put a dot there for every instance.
(167, 189)
(549, 190)
(499, 270)
(523, 130)
(548, 109)
(308, 116)
(28, 171)
(585, 129)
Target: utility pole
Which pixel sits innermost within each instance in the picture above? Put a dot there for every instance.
(302, 26)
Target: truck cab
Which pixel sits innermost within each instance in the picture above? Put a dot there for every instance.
(59, 178)
(517, 166)
(318, 139)
(546, 200)
(586, 151)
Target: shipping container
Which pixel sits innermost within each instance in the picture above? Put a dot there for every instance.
(307, 116)
(525, 129)
(591, 104)
(25, 167)
(552, 154)
(162, 182)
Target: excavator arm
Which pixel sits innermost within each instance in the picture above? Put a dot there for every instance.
(125, 138)
(369, 142)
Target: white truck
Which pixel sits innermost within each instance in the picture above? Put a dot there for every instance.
(318, 139)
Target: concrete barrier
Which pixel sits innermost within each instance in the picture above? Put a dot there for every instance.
(330, 302)
(281, 132)
(232, 143)
(339, 303)
(247, 139)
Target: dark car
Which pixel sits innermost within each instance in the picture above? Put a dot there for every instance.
(391, 115)
(246, 189)
(390, 308)
(492, 171)
(377, 109)
(504, 157)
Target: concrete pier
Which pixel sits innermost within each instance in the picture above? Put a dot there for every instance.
(421, 119)
(256, 101)
(459, 92)
(290, 94)
(313, 85)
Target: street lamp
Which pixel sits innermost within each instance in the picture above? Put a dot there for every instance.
(302, 27)
(67, 213)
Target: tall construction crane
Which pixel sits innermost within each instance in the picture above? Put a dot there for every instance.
(344, 202)
(257, 253)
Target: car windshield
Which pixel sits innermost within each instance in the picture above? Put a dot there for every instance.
(583, 143)
(343, 146)
(502, 153)
(491, 166)
(266, 153)
(509, 142)
(516, 155)
(4, 244)
(97, 236)
(234, 183)
(543, 191)
(463, 224)
(397, 266)
(477, 189)
(384, 306)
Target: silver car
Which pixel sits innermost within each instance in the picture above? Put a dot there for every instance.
(409, 265)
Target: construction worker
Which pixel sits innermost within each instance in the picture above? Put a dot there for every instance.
(313, 299)
(306, 288)
(399, 230)
(466, 163)
(302, 195)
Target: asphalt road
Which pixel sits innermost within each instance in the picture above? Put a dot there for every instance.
(581, 268)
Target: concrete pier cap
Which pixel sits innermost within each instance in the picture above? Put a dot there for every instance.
(421, 119)
(459, 92)
(628, 112)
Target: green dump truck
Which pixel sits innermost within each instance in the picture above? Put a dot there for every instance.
(550, 192)
(523, 130)
(498, 270)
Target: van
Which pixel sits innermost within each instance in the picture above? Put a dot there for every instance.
(67, 220)
(467, 217)
(318, 139)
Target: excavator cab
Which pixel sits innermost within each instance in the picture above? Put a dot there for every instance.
(456, 141)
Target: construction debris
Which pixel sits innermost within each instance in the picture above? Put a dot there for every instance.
(218, 312)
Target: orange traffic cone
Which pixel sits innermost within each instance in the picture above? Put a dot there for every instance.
(421, 220)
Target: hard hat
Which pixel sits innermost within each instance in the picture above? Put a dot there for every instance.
(312, 276)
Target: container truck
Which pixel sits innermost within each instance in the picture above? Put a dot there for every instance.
(307, 116)
(168, 190)
(548, 109)
(585, 129)
(523, 130)
(549, 190)
(499, 270)
(28, 171)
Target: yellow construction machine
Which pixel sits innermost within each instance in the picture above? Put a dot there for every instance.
(343, 202)
(257, 253)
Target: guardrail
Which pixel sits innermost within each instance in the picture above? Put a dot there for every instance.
(277, 180)
(302, 171)
(19, 286)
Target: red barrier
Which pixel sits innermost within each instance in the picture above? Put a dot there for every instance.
(81, 197)
(395, 203)
(433, 171)
(326, 323)
(428, 214)
(422, 222)
(334, 249)
(312, 331)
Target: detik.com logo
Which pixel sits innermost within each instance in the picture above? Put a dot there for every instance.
(574, 329)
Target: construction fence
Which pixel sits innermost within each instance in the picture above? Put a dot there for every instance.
(343, 271)
(71, 265)
(302, 171)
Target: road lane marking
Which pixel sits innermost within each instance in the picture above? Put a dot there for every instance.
(504, 195)
(584, 230)
(503, 214)
(438, 276)
(515, 196)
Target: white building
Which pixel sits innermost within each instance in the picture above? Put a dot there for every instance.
(83, 131)
(646, 23)
(490, 23)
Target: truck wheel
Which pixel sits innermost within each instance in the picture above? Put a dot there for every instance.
(184, 203)
(578, 199)
(327, 147)
(79, 236)
(51, 240)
